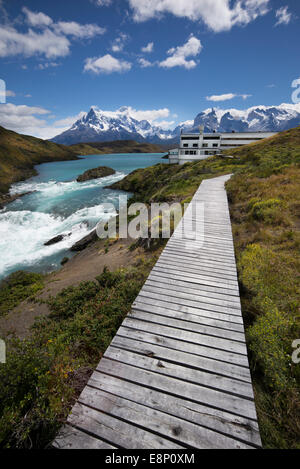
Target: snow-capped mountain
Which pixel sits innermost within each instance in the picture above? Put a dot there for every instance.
(106, 126)
(258, 118)
(98, 125)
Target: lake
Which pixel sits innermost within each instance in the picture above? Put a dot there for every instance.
(58, 204)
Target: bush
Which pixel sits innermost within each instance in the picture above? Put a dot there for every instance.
(268, 211)
(18, 287)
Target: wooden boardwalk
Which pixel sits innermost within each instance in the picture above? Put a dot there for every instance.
(176, 374)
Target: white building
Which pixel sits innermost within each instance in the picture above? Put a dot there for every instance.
(194, 147)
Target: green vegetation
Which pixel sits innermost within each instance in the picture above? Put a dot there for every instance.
(20, 153)
(18, 287)
(45, 373)
(95, 173)
(117, 146)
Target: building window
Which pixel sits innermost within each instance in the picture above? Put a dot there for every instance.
(190, 138)
(195, 145)
(215, 145)
(205, 145)
(185, 145)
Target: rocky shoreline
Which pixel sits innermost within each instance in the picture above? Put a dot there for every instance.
(6, 199)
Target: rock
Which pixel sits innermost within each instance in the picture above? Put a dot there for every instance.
(95, 173)
(64, 261)
(54, 240)
(84, 242)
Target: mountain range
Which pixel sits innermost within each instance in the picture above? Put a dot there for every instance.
(98, 125)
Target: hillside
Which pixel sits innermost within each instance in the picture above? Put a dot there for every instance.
(20, 153)
(117, 146)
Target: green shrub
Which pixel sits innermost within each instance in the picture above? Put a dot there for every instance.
(17, 287)
(268, 211)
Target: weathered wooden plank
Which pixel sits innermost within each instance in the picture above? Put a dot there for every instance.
(191, 285)
(233, 352)
(197, 317)
(118, 432)
(221, 285)
(168, 426)
(225, 318)
(169, 298)
(187, 325)
(222, 422)
(194, 392)
(72, 438)
(201, 270)
(130, 340)
(196, 292)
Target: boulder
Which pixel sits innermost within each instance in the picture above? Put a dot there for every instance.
(96, 173)
(84, 242)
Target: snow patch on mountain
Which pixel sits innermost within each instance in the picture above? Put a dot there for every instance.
(127, 124)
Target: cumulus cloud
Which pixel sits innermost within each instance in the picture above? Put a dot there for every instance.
(38, 19)
(106, 64)
(148, 48)
(102, 3)
(44, 37)
(178, 55)
(81, 31)
(46, 43)
(69, 121)
(33, 120)
(119, 42)
(151, 115)
(45, 65)
(145, 63)
(7, 93)
(226, 97)
(283, 16)
(217, 15)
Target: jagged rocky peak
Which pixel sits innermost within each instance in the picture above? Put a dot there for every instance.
(99, 125)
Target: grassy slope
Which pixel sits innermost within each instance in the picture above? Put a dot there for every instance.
(46, 372)
(118, 146)
(20, 153)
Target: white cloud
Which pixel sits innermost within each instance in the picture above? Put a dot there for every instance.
(45, 65)
(31, 43)
(119, 42)
(81, 31)
(218, 15)
(227, 97)
(148, 48)
(103, 3)
(283, 16)
(145, 63)
(69, 121)
(106, 64)
(149, 115)
(31, 120)
(48, 39)
(178, 55)
(9, 93)
(37, 19)
(165, 125)
(21, 118)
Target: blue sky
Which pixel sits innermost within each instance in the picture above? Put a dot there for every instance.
(166, 59)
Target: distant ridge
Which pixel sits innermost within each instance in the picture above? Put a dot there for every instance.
(103, 126)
